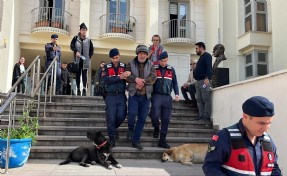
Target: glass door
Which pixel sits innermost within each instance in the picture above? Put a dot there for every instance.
(52, 11)
(117, 16)
(178, 17)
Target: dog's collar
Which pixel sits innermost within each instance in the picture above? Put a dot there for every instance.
(101, 145)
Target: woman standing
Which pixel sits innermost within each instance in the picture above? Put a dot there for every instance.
(155, 49)
(18, 70)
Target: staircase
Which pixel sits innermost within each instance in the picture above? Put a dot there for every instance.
(68, 118)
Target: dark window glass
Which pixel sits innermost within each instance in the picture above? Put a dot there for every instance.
(261, 22)
(246, 1)
(248, 24)
(260, 6)
(261, 69)
(249, 71)
(247, 9)
(248, 59)
(262, 57)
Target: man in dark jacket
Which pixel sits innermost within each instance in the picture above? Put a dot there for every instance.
(140, 88)
(202, 75)
(114, 76)
(245, 148)
(52, 50)
(161, 99)
(99, 83)
(65, 77)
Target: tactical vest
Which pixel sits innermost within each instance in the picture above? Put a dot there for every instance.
(240, 161)
(163, 83)
(119, 86)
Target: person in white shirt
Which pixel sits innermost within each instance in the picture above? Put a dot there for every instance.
(189, 86)
(19, 69)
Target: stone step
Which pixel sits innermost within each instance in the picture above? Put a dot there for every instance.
(87, 106)
(119, 152)
(101, 122)
(81, 131)
(93, 114)
(123, 141)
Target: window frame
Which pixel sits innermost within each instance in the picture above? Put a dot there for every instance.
(253, 13)
(255, 62)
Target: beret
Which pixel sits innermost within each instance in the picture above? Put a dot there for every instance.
(141, 48)
(258, 106)
(114, 52)
(54, 36)
(83, 26)
(163, 55)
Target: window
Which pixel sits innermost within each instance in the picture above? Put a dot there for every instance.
(255, 15)
(52, 11)
(118, 15)
(178, 20)
(256, 64)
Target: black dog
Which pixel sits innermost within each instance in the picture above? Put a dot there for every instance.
(98, 152)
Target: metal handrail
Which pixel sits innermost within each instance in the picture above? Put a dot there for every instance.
(118, 23)
(179, 28)
(9, 101)
(52, 66)
(12, 96)
(55, 18)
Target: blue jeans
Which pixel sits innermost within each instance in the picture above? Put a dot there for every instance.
(137, 106)
(161, 108)
(116, 111)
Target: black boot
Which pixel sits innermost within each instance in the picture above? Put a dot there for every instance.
(155, 133)
(79, 92)
(117, 135)
(113, 142)
(162, 143)
(130, 135)
(84, 92)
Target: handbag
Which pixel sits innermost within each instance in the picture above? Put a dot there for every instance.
(73, 67)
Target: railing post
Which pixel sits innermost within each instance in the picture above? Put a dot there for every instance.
(33, 78)
(38, 70)
(55, 78)
(8, 141)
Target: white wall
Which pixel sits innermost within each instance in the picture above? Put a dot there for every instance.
(279, 29)
(180, 63)
(1, 13)
(227, 106)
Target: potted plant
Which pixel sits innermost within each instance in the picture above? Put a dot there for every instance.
(43, 20)
(21, 139)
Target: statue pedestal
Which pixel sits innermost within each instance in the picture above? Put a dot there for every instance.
(220, 77)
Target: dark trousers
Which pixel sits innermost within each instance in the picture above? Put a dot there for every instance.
(82, 72)
(137, 106)
(64, 89)
(58, 76)
(161, 108)
(116, 112)
(203, 99)
(191, 89)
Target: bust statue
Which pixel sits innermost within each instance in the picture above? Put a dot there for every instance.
(218, 52)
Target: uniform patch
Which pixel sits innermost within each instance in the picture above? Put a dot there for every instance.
(270, 157)
(215, 137)
(210, 148)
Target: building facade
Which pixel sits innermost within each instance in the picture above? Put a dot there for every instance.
(251, 30)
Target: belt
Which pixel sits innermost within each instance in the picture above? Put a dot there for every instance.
(160, 93)
(115, 93)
